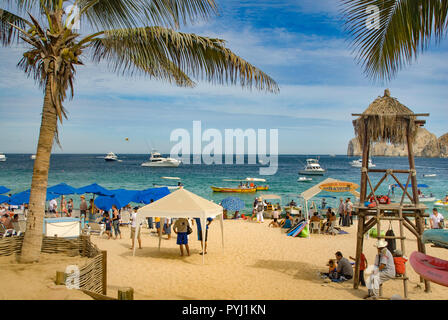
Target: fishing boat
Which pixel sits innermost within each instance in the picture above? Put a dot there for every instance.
(236, 190)
(312, 168)
(429, 175)
(358, 163)
(244, 183)
(111, 157)
(304, 179)
(2, 157)
(156, 160)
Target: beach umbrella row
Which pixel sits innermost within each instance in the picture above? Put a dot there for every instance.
(3, 189)
(122, 197)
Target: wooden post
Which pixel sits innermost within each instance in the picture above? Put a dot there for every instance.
(412, 165)
(104, 267)
(60, 277)
(359, 247)
(365, 164)
(126, 294)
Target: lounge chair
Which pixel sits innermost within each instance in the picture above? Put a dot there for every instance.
(315, 225)
(6, 232)
(94, 227)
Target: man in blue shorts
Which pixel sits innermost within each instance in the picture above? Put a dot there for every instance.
(198, 223)
(180, 228)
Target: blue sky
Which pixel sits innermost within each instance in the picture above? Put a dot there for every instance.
(301, 44)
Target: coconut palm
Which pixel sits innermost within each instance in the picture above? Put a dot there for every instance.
(132, 37)
(389, 34)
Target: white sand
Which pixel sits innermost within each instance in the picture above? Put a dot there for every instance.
(257, 263)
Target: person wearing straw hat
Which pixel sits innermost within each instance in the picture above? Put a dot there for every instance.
(83, 207)
(383, 269)
(260, 209)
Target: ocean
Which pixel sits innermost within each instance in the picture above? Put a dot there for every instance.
(79, 170)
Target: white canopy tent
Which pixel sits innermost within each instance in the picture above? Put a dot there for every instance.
(181, 204)
(315, 190)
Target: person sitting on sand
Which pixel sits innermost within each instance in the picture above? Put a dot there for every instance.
(287, 222)
(384, 270)
(274, 223)
(133, 227)
(331, 270)
(399, 261)
(180, 228)
(344, 269)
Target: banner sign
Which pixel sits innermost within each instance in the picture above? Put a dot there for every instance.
(339, 186)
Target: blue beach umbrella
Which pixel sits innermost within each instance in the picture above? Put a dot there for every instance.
(3, 189)
(420, 185)
(233, 204)
(62, 189)
(24, 197)
(95, 189)
(4, 199)
(145, 196)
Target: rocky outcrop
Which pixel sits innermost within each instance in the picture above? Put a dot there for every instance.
(426, 144)
(443, 145)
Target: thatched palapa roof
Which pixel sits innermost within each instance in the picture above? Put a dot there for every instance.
(387, 120)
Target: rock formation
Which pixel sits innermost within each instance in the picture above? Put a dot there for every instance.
(426, 144)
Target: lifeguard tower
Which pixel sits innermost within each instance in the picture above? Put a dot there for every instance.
(387, 120)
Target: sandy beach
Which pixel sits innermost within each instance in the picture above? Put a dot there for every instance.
(257, 263)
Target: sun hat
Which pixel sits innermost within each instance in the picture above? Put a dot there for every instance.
(82, 196)
(381, 244)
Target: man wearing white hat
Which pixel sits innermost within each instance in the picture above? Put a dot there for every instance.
(383, 269)
(260, 209)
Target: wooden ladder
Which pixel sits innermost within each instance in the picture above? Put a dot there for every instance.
(401, 237)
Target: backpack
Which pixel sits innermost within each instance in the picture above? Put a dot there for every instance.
(391, 243)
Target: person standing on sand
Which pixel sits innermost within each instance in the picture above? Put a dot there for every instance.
(349, 212)
(180, 228)
(362, 266)
(436, 220)
(133, 227)
(260, 209)
(167, 227)
(203, 243)
(116, 221)
(83, 207)
(69, 207)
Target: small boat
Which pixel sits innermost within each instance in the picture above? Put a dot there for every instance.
(440, 203)
(33, 157)
(170, 187)
(2, 157)
(236, 190)
(358, 163)
(312, 168)
(111, 157)
(156, 160)
(304, 179)
(429, 175)
(430, 268)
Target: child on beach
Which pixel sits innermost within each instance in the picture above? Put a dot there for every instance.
(331, 270)
(108, 222)
(362, 266)
(399, 261)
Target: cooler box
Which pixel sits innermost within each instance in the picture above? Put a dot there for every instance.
(62, 227)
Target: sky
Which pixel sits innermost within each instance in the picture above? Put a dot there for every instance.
(300, 44)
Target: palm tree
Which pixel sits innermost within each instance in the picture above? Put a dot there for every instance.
(133, 37)
(389, 34)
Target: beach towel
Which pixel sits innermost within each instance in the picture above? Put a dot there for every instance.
(343, 232)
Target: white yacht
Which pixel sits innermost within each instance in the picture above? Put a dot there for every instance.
(2, 157)
(312, 168)
(156, 160)
(358, 163)
(33, 157)
(111, 157)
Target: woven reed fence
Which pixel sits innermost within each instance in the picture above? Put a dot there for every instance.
(92, 276)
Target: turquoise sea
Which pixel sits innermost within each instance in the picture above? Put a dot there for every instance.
(79, 170)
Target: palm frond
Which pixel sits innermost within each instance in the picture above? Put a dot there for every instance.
(23, 6)
(9, 34)
(405, 29)
(114, 14)
(149, 50)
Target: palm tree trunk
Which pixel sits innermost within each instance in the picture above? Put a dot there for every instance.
(32, 242)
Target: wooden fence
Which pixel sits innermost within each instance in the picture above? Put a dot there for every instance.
(92, 276)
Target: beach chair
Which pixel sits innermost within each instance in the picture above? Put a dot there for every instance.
(315, 225)
(94, 227)
(6, 232)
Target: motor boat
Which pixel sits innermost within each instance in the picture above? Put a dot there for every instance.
(2, 157)
(111, 157)
(304, 179)
(312, 168)
(358, 163)
(156, 160)
(33, 157)
(429, 175)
